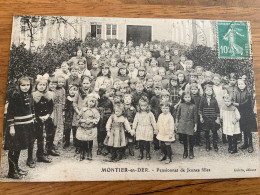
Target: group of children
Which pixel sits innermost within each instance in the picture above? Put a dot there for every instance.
(126, 98)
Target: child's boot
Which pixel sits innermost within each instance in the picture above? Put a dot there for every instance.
(229, 138)
(245, 145)
(163, 152)
(250, 147)
(168, 154)
(234, 144)
(12, 173)
(141, 155)
(224, 138)
(99, 149)
(131, 149)
(147, 148)
(113, 154)
(82, 155)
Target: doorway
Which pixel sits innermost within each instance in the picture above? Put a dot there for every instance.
(138, 34)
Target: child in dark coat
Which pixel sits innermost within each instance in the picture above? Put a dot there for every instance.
(186, 119)
(105, 107)
(43, 104)
(20, 134)
(69, 112)
(130, 112)
(247, 121)
(209, 116)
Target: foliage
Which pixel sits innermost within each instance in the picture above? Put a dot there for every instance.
(209, 60)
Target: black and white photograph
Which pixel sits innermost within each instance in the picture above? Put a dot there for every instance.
(102, 99)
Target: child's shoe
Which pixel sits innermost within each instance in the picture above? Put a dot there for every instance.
(185, 154)
(168, 160)
(148, 157)
(191, 155)
(131, 151)
(250, 149)
(162, 158)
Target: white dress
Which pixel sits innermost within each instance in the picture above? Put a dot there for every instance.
(165, 126)
(144, 126)
(228, 115)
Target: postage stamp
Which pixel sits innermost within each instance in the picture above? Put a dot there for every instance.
(233, 39)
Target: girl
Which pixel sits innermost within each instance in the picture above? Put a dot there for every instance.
(64, 70)
(165, 80)
(103, 75)
(247, 121)
(132, 84)
(209, 116)
(87, 129)
(153, 69)
(182, 62)
(181, 81)
(75, 59)
(80, 98)
(116, 127)
(219, 92)
(195, 96)
(113, 68)
(232, 88)
(19, 135)
(117, 84)
(105, 107)
(186, 119)
(200, 72)
(139, 92)
(122, 72)
(95, 69)
(130, 112)
(144, 126)
(165, 134)
(59, 102)
(141, 74)
(149, 86)
(174, 91)
(43, 104)
(74, 78)
(83, 69)
(69, 112)
(124, 88)
(132, 70)
(230, 116)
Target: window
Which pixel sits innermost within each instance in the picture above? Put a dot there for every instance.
(96, 30)
(111, 31)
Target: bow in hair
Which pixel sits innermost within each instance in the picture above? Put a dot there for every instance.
(44, 77)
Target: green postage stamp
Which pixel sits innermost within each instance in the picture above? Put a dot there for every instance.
(233, 39)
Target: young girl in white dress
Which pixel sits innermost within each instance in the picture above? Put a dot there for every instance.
(230, 116)
(144, 126)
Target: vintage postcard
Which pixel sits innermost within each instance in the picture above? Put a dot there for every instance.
(99, 99)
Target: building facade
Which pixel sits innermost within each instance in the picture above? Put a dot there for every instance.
(37, 31)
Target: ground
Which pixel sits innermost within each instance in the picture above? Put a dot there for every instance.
(67, 166)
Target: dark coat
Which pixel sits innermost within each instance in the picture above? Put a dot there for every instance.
(20, 113)
(187, 118)
(248, 119)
